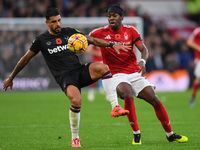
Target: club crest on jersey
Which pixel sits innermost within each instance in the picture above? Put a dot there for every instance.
(58, 41)
(117, 36)
(125, 36)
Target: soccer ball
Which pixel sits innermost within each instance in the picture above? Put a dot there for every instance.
(77, 43)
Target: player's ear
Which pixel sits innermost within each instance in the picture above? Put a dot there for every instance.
(47, 23)
(122, 17)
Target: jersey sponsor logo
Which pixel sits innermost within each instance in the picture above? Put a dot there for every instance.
(108, 37)
(58, 41)
(121, 43)
(58, 49)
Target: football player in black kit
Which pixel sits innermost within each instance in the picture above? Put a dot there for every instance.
(67, 70)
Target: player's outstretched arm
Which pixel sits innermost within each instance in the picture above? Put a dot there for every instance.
(103, 43)
(20, 65)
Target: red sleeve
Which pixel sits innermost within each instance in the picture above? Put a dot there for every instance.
(95, 33)
(136, 36)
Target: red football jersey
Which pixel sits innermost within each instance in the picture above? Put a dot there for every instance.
(196, 36)
(125, 62)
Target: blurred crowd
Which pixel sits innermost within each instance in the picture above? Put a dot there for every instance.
(165, 51)
(67, 8)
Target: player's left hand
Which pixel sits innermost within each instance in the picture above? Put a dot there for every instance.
(117, 48)
(142, 68)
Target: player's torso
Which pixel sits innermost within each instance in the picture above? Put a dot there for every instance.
(197, 40)
(56, 53)
(125, 62)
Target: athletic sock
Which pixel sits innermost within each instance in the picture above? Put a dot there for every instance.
(129, 105)
(169, 134)
(162, 115)
(74, 118)
(194, 89)
(110, 89)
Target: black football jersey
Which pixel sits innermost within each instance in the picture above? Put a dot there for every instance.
(58, 57)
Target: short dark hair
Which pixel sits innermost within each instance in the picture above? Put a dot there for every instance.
(52, 11)
(115, 8)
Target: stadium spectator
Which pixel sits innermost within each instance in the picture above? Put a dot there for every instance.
(185, 58)
(194, 42)
(67, 70)
(128, 75)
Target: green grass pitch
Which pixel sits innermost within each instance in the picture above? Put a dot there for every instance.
(39, 121)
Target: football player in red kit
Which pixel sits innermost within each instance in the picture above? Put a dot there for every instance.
(194, 42)
(128, 74)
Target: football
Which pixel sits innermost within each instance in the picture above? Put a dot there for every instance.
(77, 43)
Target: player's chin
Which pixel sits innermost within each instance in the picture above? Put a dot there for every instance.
(114, 27)
(58, 31)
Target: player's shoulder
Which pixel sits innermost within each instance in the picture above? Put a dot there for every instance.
(129, 27)
(42, 36)
(100, 29)
(69, 31)
(197, 30)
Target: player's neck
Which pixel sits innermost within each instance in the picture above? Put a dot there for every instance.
(52, 33)
(117, 28)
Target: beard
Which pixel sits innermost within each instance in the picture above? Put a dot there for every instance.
(56, 30)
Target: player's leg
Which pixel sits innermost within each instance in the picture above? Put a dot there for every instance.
(74, 95)
(101, 71)
(196, 83)
(149, 95)
(124, 90)
(195, 87)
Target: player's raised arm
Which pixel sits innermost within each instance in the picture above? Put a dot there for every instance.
(20, 65)
(103, 43)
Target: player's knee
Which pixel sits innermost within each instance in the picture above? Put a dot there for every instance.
(105, 68)
(76, 102)
(102, 68)
(124, 93)
(154, 100)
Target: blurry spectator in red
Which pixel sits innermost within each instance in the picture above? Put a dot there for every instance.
(96, 56)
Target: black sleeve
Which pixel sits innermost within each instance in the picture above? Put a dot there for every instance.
(35, 46)
(73, 31)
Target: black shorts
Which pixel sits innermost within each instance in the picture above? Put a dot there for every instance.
(79, 77)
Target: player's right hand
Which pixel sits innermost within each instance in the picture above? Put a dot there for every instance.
(121, 47)
(8, 82)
